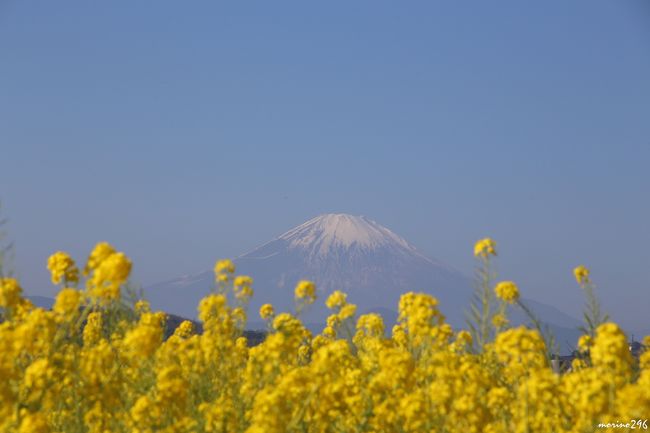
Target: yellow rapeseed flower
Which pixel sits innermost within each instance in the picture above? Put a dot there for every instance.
(143, 340)
(62, 268)
(142, 306)
(185, 329)
(103, 368)
(610, 350)
(34, 423)
(243, 281)
(225, 266)
(109, 276)
(287, 324)
(267, 311)
(212, 306)
(10, 292)
(585, 342)
(485, 247)
(499, 321)
(347, 311)
(333, 320)
(464, 337)
(521, 350)
(336, 300)
(371, 324)
(329, 332)
(582, 274)
(92, 332)
(67, 302)
(242, 286)
(306, 291)
(100, 253)
(507, 291)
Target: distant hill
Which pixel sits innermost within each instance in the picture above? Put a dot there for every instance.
(252, 336)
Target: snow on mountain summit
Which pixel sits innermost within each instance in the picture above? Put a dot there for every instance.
(325, 232)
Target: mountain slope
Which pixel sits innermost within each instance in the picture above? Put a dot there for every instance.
(338, 252)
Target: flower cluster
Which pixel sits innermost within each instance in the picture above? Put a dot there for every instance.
(107, 272)
(62, 268)
(306, 290)
(223, 270)
(507, 291)
(485, 247)
(582, 274)
(267, 311)
(87, 365)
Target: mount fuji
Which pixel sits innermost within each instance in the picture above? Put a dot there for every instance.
(355, 254)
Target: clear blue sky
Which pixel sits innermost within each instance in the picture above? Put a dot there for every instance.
(187, 131)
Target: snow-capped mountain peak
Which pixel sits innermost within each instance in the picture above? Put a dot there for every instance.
(326, 232)
(373, 265)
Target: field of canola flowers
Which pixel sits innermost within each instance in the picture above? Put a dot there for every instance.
(95, 363)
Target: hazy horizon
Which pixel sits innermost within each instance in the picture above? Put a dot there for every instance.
(201, 131)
